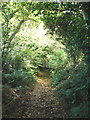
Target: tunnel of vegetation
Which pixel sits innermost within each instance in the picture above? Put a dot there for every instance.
(61, 49)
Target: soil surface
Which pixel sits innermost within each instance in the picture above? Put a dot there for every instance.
(41, 102)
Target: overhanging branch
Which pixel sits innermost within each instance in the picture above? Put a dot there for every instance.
(18, 28)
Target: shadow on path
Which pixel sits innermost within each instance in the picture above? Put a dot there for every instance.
(42, 102)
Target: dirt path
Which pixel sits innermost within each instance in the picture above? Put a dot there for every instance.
(42, 102)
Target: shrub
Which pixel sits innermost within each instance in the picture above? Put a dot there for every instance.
(19, 79)
(72, 86)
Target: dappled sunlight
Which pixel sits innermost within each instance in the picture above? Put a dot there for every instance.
(41, 81)
(42, 74)
(38, 35)
(44, 59)
(44, 102)
(43, 78)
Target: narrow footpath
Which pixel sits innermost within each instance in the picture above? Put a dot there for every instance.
(42, 102)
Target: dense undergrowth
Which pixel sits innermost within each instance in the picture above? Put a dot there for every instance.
(64, 58)
(72, 87)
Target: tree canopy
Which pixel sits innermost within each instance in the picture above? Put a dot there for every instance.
(52, 37)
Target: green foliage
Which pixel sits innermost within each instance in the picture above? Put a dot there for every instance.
(23, 56)
(72, 86)
(80, 111)
(70, 78)
(19, 79)
(58, 59)
(67, 22)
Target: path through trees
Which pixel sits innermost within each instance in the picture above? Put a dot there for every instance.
(42, 102)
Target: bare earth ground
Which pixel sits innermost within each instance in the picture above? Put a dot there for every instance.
(42, 102)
